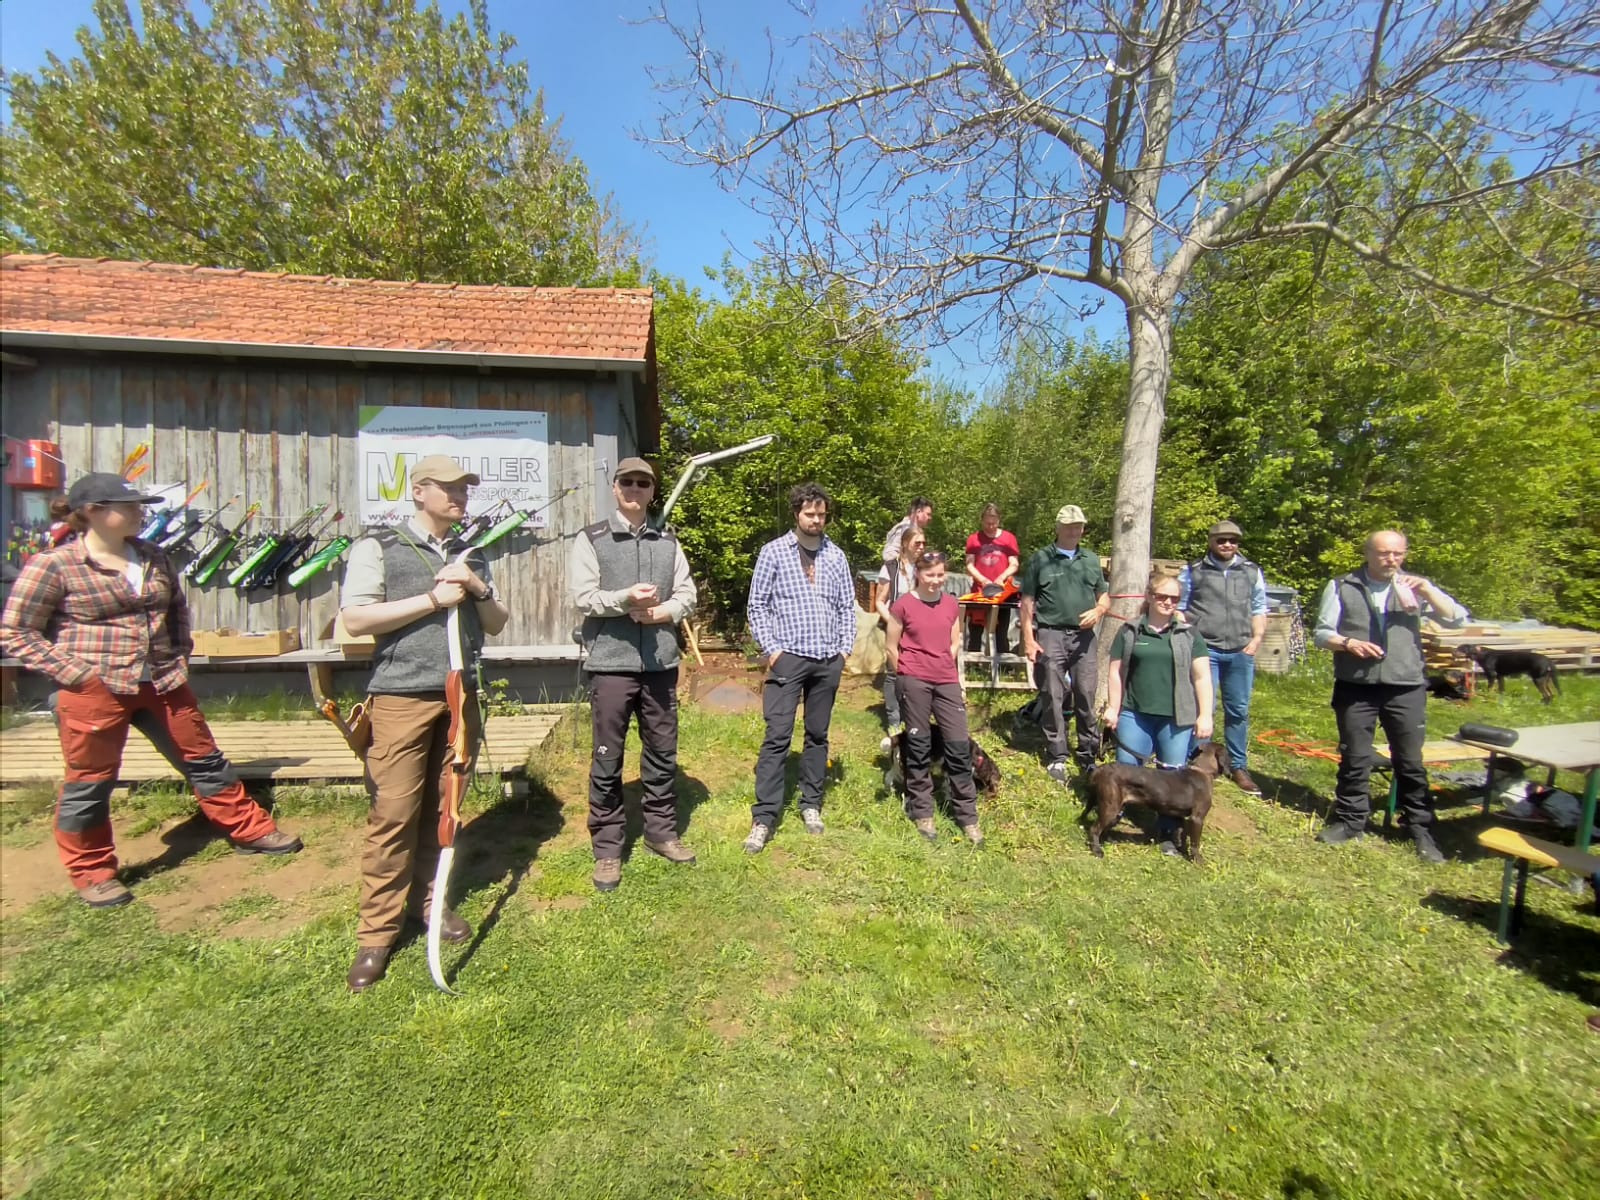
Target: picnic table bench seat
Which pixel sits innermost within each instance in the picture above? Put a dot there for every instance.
(1521, 852)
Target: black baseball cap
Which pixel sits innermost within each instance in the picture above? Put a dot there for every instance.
(106, 487)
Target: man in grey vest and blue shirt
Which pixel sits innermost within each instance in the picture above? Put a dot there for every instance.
(1225, 598)
(631, 582)
(399, 586)
(1371, 620)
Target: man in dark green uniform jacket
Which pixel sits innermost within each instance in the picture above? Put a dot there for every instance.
(1064, 595)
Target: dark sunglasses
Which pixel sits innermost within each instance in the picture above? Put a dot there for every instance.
(634, 481)
(1171, 597)
(1226, 540)
(930, 558)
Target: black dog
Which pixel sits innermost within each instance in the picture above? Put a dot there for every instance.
(984, 773)
(1447, 685)
(1497, 664)
(1185, 793)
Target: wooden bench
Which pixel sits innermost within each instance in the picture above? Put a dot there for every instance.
(1521, 852)
(1434, 754)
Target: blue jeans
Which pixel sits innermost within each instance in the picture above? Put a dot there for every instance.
(1233, 677)
(1142, 734)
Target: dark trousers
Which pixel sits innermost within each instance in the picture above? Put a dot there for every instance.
(652, 697)
(93, 724)
(1067, 658)
(1002, 626)
(792, 680)
(1401, 709)
(920, 700)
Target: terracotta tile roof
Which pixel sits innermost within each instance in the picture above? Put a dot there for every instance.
(100, 298)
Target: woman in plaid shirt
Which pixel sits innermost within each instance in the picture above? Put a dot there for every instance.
(103, 615)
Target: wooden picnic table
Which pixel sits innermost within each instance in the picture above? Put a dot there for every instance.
(1574, 747)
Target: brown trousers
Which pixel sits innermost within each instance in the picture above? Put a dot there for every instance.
(406, 767)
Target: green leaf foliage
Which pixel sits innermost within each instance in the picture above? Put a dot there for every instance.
(366, 138)
(844, 404)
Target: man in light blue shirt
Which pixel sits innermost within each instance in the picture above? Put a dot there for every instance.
(1224, 595)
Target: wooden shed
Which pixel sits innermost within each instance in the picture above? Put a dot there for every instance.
(258, 382)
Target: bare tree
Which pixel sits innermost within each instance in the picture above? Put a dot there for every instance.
(966, 161)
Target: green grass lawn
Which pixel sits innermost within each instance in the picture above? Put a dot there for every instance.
(855, 1015)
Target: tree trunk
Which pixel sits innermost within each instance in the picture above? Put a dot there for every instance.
(1150, 368)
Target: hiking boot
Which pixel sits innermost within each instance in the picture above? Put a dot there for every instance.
(276, 842)
(926, 828)
(107, 894)
(372, 962)
(811, 818)
(974, 834)
(1242, 781)
(1427, 849)
(672, 850)
(607, 874)
(758, 838)
(1057, 770)
(1339, 833)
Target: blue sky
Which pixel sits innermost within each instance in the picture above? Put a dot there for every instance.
(591, 60)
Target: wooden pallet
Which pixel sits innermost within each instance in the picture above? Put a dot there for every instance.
(301, 751)
(1568, 649)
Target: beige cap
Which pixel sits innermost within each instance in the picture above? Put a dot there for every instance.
(1070, 514)
(633, 466)
(441, 468)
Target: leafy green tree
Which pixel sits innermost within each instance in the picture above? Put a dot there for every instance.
(1315, 400)
(347, 137)
(848, 413)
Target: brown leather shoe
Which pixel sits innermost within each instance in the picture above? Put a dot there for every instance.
(451, 927)
(276, 842)
(672, 850)
(1242, 781)
(108, 894)
(607, 874)
(927, 829)
(370, 966)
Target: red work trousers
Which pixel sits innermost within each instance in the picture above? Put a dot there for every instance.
(94, 725)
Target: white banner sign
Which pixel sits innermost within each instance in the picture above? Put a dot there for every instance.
(508, 451)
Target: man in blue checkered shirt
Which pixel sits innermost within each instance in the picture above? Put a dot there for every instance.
(802, 614)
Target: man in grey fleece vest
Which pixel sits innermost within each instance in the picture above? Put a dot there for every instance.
(1372, 621)
(399, 586)
(632, 585)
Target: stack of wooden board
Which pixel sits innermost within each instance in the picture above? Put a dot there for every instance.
(1569, 649)
(294, 751)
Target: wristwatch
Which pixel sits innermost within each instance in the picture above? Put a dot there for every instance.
(489, 593)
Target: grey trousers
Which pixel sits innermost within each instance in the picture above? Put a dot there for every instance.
(1067, 662)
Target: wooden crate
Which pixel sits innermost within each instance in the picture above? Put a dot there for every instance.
(230, 643)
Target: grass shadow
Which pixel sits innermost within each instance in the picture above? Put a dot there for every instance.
(503, 841)
(691, 794)
(183, 841)
(1552, 949)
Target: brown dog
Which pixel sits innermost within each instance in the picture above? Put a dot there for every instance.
(1185, 793)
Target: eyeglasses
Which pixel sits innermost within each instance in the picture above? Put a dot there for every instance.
(929, 558)
(1226, 540)
(1164, 597)
(633, 481)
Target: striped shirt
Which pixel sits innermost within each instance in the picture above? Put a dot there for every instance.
(789, 612)
(72, 619)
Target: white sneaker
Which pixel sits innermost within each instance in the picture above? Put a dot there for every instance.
(758, 838)
(812, 819)
(1057, 770)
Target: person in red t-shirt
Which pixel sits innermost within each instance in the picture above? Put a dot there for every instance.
(923, 643)
(993, 557)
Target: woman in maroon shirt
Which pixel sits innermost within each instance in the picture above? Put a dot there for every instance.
(103, 616)
(924, 642)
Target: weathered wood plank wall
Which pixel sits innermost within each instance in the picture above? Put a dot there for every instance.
(285, 434)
